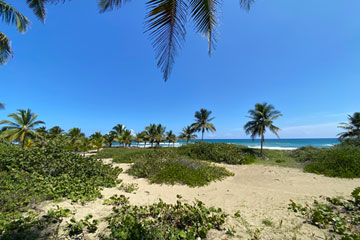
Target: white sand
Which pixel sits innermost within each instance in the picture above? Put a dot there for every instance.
(258, 191)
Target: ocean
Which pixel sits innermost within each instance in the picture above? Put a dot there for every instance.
(269, 143)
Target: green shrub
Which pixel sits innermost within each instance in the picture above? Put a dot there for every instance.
(218, 152)
(305, 154)
(339, 161)
(336, 215)
(171, 170)
(162, 221)
(45, 173)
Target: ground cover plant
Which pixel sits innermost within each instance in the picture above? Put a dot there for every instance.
(173, 169)
(28, 176)
(161, 220)
(339, 216)
(218, 152)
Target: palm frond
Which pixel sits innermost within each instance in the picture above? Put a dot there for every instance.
(108, 5)
(10, 15)
(166, 25)
(246, 4)
(204, 15)
(38, 7)
(5, 49)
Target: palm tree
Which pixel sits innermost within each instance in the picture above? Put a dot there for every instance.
(166, 21)
(159, 134)
(170, 137)
(187, 134)
(75, 137)
(84, 145)
(262, 117)
(127, 138)
(145, 137)
(151, 133)
(55, 132)
(352, 128)
(42, 131)
(109, 138)
(139, 138)
(202, 122)
(97, 140)
(22, 127)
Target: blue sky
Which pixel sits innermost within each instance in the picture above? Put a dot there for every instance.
(90, 70)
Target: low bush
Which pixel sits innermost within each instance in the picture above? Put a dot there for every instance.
(161, 220)
(306, 154)
(338, 216)
(123, 155)
(218, 152)
(174, 169)
(47, 172)
(339, 161)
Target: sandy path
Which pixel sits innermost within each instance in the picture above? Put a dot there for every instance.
(258, 191)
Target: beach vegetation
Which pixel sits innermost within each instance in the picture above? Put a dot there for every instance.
(75, 138)
(339, 161)
(262, 118)
(22, 126)
(47, 172)
(218, 152)
(340, 217)
(110, 138)
(203, 122)
(161, 220)
(97, 140)
(168, 167)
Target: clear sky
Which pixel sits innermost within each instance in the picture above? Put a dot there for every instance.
(90, 70)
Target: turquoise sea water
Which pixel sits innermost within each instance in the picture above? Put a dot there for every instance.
(270, 143)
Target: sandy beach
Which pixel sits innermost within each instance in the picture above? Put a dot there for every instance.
(259, 192)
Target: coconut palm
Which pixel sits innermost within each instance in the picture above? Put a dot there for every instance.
(42, 131)
(202, 122)
(145, 137)
(75, 137)
(126, 138)
(97, 140)
(55, 132)
(170, 137)
(151, 133)
(352, 128)
(110, 138)
(166, 21)
(187, 134)
(262, 117)
(22, 127)
(139, 138)
(159, 134)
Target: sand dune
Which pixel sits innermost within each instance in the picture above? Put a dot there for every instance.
(259, 192)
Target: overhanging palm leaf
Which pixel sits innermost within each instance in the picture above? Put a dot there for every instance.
(108, 5)
(11, 16)
(203, 13)
(246, 4)
(166, 24)
(5, 49)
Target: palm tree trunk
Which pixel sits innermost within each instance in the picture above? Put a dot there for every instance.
(262, 143)
(202, 134)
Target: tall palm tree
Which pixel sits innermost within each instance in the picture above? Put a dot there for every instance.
(22, 127)
(75, 137)
(160, 134)
(170, 137)
(139, 138)
(166, 24)
(262, 117)
(352, 128)
(145, 137)
(202, 122)
(126, 138)
(187, 134)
